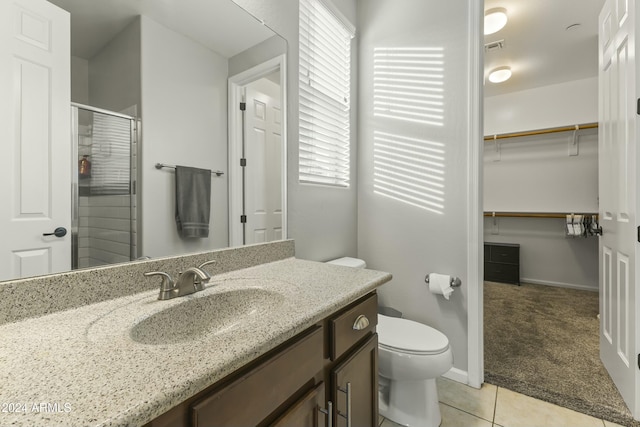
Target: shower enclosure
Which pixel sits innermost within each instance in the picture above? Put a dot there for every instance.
(103, 224)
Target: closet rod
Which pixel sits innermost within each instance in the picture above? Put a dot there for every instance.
(533, 214)
(541, 131)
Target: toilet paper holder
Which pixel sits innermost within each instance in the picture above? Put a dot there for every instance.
(455, 281)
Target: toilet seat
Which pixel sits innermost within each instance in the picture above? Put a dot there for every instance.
(407, 336)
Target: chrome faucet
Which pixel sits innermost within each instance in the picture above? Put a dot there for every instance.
(191, 280)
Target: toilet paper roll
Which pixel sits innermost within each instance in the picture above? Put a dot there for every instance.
(440, 284)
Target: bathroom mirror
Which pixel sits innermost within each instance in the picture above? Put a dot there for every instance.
(168, 64)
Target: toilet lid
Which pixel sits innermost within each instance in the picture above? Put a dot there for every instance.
(409, 336)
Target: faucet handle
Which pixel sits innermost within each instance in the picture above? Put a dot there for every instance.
(207, 263)
(167, 282)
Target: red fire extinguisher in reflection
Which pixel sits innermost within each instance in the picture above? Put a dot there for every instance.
(84, 167)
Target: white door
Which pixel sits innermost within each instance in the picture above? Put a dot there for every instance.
(35, 135)
(263, 189)
(618, 201)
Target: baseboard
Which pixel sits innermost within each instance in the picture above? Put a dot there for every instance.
(458, 375)
(558, 284)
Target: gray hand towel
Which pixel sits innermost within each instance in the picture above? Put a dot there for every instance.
(193, 201)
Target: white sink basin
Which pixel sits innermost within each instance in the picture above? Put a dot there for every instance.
(216, 313)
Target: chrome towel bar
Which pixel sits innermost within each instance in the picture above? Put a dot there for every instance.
(163, 165)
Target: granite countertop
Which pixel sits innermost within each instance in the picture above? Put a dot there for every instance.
(81, 367)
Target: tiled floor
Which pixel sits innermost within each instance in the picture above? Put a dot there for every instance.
(463, 406)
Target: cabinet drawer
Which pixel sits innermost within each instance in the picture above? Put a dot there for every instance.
(253, 396)
(343, 335)
(506, 254)
(497, 272)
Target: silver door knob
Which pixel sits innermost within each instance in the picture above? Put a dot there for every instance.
(58, 232)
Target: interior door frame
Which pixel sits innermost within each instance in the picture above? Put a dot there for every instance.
(236, 86)
(475, 223)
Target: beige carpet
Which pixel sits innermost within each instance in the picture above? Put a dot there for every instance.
(543, 341)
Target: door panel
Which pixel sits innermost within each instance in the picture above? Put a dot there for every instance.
(35, 130)
(622, 9)
(618, 201)
(606, 294)
(624, 123)
(264, 165)
(622, 306)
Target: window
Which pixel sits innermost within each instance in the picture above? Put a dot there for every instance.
(325, 70)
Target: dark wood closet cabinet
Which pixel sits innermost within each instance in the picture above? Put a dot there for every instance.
(502, 262)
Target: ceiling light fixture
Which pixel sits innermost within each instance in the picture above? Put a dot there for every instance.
(494, 20)
(500, 74)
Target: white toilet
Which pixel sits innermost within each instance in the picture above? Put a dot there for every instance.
(411, 356)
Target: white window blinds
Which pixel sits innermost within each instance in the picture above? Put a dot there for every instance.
(110, 155)
(325, 69)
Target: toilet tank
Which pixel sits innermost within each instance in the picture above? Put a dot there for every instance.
(349, 262)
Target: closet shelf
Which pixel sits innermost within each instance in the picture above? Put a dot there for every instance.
(535, 214)
(541, 131)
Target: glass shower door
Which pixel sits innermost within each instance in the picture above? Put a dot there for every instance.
(104, 225)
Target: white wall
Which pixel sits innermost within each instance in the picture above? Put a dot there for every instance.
(322, 220)
(536, 174)
(256, 55)
(405, 240)
(547, 255)
(79, 80)
(184, 122)
(114, 72)
(562, 104)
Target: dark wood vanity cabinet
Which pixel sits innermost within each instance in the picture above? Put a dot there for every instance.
(358, 372)
(293, 384)
(354, 373)
(253, 396)
(306, 410)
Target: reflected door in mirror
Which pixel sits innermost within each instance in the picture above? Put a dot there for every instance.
(263, 195)
(34, 130)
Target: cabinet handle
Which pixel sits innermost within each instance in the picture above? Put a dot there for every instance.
(361, 323)
(347, 391)
(329, 413)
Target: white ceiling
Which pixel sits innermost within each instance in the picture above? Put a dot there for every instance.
(537, 46)
(220, 25)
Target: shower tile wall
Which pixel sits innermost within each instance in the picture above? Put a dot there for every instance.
(103, 232)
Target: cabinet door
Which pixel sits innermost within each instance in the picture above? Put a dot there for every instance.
(360, 372)
(252, 397)
(305, 412)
